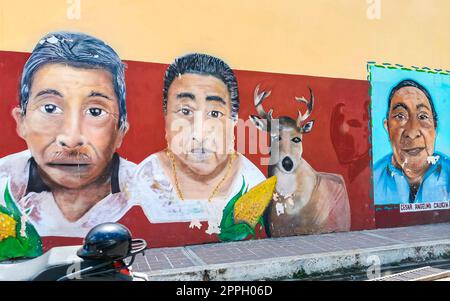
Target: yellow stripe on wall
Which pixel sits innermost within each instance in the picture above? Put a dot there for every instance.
(332, 38)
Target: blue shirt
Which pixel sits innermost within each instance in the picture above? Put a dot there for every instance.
(391, 185)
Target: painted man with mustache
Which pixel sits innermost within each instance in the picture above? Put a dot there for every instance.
(194, 178)
(414, 172)
(72, 115)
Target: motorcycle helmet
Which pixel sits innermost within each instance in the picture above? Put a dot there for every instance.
(107, 241)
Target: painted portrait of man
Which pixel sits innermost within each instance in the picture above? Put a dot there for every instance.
(414, 171)
(72, 115)
(199, 172)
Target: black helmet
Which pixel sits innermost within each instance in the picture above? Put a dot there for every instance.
(106, 241)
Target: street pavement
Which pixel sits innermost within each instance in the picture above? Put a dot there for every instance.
(297, 256)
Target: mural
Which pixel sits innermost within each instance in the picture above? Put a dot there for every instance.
(411, 170)
(177, 154)
(178, 179)
(199, 172)
(305, 201)
(72, 116)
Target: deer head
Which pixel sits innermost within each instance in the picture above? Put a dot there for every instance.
(286, 134)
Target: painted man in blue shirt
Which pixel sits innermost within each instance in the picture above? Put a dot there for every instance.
(413, 172)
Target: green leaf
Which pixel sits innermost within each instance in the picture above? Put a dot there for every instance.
(236, 232)
(10, 204)
(5, 210)
(11, 248)
(229, 230)
(227, 217)
(29, 245)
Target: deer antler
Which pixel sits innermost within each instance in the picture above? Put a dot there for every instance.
(302, 117)
(259, 98)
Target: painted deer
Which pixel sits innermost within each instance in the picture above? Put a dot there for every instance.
(305, 201)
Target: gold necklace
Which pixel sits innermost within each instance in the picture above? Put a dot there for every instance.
(214, 192)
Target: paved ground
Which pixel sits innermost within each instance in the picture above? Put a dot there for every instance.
(283, 257)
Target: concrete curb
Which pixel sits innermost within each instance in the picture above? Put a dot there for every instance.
(310, 264)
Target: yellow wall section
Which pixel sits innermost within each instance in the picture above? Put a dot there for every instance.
(322, 37)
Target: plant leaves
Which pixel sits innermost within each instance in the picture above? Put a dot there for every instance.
(229, 231)
(29, 245)
(236, 232)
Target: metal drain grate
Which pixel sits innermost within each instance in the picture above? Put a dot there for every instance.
(422, 274)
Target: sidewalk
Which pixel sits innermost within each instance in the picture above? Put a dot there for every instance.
(297, 256)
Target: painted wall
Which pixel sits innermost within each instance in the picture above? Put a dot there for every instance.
(406, 139)
(286, 48)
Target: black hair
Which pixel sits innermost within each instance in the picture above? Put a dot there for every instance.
(412, 83)
(203, 64)
(76, 50)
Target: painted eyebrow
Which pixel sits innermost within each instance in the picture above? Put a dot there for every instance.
(185, 95)
(422, 105)
(49, 92)
(98, 94)
(400, 105)
(215, 98)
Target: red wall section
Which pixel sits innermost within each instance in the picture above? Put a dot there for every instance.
(146, 134)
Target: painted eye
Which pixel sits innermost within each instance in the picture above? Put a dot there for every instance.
(186, 112)
(50, 109)
(215, 114)
(400, 116)
(423, 117)
(296, 140)
(96, 112)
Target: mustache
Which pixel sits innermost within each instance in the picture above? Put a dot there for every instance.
(74, 156)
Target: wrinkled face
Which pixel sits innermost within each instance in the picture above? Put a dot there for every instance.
(289, 146)
(411, 130)
(71, 124)
(199, 129)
